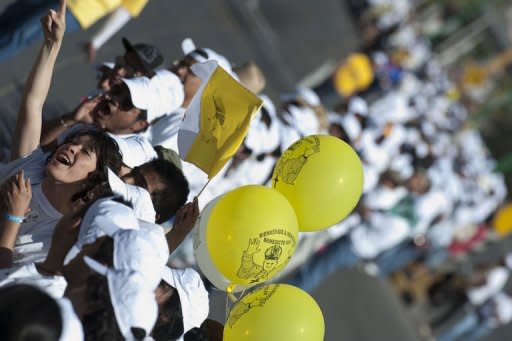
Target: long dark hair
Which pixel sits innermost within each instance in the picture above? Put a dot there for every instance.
(100, 324)
(108, 155)
(169, 325)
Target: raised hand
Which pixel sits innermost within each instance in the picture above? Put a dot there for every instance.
(83, 113)
(54, 24)
(186, 217)
(18, 194)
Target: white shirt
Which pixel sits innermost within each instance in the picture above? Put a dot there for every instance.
(164, 131)
(383, 232)
(496, 279)
(35, 233)
(28, 274)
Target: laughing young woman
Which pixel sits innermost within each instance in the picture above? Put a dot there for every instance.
(54, 178)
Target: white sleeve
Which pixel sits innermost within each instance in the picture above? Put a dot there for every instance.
(28, 274)
(33, 165)
(116, 20)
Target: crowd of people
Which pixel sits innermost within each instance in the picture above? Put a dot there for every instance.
(96, 240)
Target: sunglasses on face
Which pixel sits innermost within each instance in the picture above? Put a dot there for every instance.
(119, 95)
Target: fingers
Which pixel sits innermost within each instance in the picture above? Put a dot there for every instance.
(21, 179)
(62, 9)
(46, 21)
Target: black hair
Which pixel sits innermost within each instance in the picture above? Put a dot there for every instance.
(173, 196)
(28, 314)
(101, 323)
(343, 135)
(106, 149)
(196, 334)
(169, 325)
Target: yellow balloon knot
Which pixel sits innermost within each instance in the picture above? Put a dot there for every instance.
(230, 288)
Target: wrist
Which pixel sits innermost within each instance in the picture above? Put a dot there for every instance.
(47, 269)
(13, 217)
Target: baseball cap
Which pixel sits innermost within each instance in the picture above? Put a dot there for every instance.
(144, 251)
(133, 300)
(161, 94)
(104, 218)
(193, 295)
(135, 149)
(198, 54)
(148, 55)
(137, 196)
(306, 94)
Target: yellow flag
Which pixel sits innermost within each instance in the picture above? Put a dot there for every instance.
(217, 119)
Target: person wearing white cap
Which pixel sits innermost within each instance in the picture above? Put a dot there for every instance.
(164, 130)
(188, 287)
(126, 310)
(127, 108)
(138, 60)
(55, 178)
(303, 115)
(26, 311)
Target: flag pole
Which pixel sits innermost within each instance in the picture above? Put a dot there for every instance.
(202, 189)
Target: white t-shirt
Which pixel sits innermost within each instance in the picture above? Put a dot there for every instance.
(35, 233)
(496, 279)
(28, 274)
(164, 131)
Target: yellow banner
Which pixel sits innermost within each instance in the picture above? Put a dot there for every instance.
(226, 111)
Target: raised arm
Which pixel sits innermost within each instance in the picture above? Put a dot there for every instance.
(183, 223)
(28, 126)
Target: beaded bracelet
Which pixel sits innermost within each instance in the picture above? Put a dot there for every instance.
(14, 218)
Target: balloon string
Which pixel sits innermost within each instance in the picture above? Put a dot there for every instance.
(202, 189)
(227, 307)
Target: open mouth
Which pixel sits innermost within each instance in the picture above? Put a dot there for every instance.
(63, 158)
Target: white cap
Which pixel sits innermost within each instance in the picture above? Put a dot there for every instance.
(135, 195)
(306, 94)
(188, 47)
(352, 126)
(144, 251)
(161, 94)
(133, 301)
(104, 218)
(193, 296)
(136, 149)
(71, 325)
(357, 105)
(260, 138)
(303, 119)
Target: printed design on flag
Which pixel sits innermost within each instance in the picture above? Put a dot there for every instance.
(294, 158)
(216, 121)
(258, 266)
(250, 302)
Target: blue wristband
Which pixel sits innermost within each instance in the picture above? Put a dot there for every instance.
(14, 218)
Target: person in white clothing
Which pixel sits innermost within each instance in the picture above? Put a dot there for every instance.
(55, 178)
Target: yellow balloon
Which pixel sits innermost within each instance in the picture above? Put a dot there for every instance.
(251, 234)
(354, 74)
(322, 177)
(503, 220)
(276, 312)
